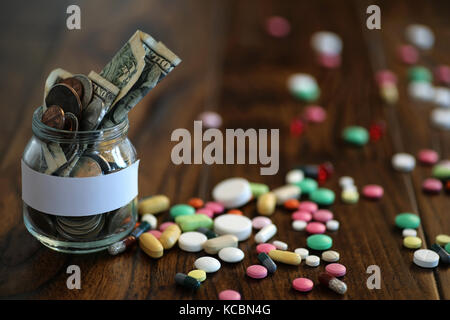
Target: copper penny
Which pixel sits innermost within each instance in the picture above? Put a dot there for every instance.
(64, 96)
(54, 117)
(70, 122)
(86, 167)
(75, 84)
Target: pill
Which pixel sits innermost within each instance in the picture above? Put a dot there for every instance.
(403, 162)
(310, 170)
(210, 119)
(441, 97)
(336, 269)
(314, 114)
(299, 225)
(150, 245)
(312, 261)
(290, 191)
(256, 271)
(229, 295)
(240, 226)
(207, 232)
(349, 195)
(443, 255)
(303, 87)
(377, 130)
(170, 236)
(322, 196)
(332, 225)
(151, 219)
(373, 191)
(302, 284)
(214, 245)
(232, 192)
(447, 247)
(432, 185)
(407, 221)
(181, 210)
(333, 283)
(199, 275)
(307, 185)
(330, 256)
(408, 54)
(301, 215)
(156, 233)
(277, 26)
(315, 228)
(196, 203)
(421, 91)
(442, 239)
(286, 257)
(326, 42)
(154, 204)
(319, 242)
(121, 245)
(441, 171)
(420, 35)
(385, 76)
(187, 281)
(355, 135)
(267, 262)
(265, 233)
(308, 206)
(328, 60)
(291, 204)
(346, 181)
(235, 211)
(426, 258)
(442, 74)
(216, 207)
(265, 247)
(205, 211)
(389, 93)
(193, 222)
(231, 254)
(294, 176)
(192, 241)
(427, 156)
(323, 215)
(280, 245)
(207, 264)
(260, 222)
(409, 233)
(419, 74)
(302, 252)
(266, 203)
(297, 127)
(165, 225)
(258, 189)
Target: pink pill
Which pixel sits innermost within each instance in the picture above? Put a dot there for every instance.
(373, 191)
(323, 215)
(442, 74)
(427, 156)
(315, 114)
(210, 119)
(164, 225)
(216, 207)
(385, 76)
(408, 54)
(315, 227)
(229, 295)
(256, 271)
(302, 284)
(328, 60)
(432, 185)
(265, 247)
(301, 215)
(206, 211)
(260, 222)
(336, 269)
(278, 27)
(156, 233)
(308, 206)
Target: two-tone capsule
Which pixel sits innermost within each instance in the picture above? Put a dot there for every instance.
(122, 245)
(187, 281)
(207, 232)
(333, 283)
(443, 255)
(267, 262)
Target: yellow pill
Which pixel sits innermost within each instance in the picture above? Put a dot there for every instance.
(170, 236)
(213, 246)
(266, 204)
(286, 257)
(200, 275)
(350, 196)
(412, 242)
(150, 245)
(154, 205)
(442, 239)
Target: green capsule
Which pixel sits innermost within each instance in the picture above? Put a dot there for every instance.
(181, 210)
(420, 74)
(187, 281)
(322, 196)
(258, 189)
(441, 171)
(193, 222)
(307, 185)
(355, 135)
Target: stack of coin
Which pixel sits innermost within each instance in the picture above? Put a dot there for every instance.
(80, 228)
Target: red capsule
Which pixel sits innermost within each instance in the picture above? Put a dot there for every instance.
(297, 127)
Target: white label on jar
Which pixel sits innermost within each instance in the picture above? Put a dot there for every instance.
(68, 196)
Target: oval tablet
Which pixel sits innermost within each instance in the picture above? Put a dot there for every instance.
(231, 254)
(302, 284)
(233, 192)
(207, 264)
(256, 271)
(265, 247)
(260, 222)
(299, 225)
(302, 252)
(229, 295)
(192, 241)
(426, 258)
(199, 275)
(336, 269)
(330, 256)
(240, 226)
(312, 261)
(150, 245)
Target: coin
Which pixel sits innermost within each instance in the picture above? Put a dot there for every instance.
(54, 117)
(64, 96)
(87, 89)
(106, 168)
(86, 167)
(75, 84)
(70, 122)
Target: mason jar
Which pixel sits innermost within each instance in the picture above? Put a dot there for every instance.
(79, 188)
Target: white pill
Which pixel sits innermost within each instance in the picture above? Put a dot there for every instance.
(151, 219)
(442, 97)
(350, 188)
(294, 176)
(280, 245)
(312, 261)
(330, 256)
(192, 241)
(420, 90)
(302, 82)
(419, 35)
(265, 233)
(440, 118)
(231, 255)
(302, 252)
(326, 42)
(409, 233)
(286, 192)
(299, 225)
(207, 264)
(403, 162)
(232, 193)
(346, 181)
(240, 226)
(426, 258)
(332, 225)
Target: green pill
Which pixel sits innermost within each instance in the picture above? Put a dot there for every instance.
(319, 242)
(447, 247)
(407, 221)
(440, 171)
(192, 222)
(355, 135)
(181, 210)
(420, 74)
(308, 95)
(322, 196)
(258, 189)
(307, 185)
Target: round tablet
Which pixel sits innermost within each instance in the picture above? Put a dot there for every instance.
(323, 215)
(302, 284)
(432, 185)
(346, 181)
(260, 222)
(229, 295)
(299, 225)
(210, 119)
(256, 271)
(319, 242)
(355, 135)
(407, 221)
(332, 225)
(206, 211)
(322, 196)
(420, 35)
(412, 242)
(312, 261)
(265, 247)
(207, 264)
(200, 275)
(409, 233)
(277, 26)
(192, 241)
(301, 215)
(302, 252)
(232, 193)
(326, 42)
(336, 269)
(308, 206)
(216, 207)
(403, 162)
(315, 227)
(315, 114)
(294, 176)
(231, 255)
(442, 239)
(373, 191)
(165, 225)
(440, 118)
(240, 226)
(330, 256)
(426, 258)
(427, 156)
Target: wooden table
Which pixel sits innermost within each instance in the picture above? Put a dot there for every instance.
(232, 66)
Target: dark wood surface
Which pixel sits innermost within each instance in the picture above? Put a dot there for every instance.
(230, 65)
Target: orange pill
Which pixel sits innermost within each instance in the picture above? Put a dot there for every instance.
(197, 203)
(235, 211)
(291, 204)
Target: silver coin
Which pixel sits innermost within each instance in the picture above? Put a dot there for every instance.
(86, 167)
(103, 163)
(87, 89)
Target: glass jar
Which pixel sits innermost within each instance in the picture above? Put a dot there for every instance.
(79, 188)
